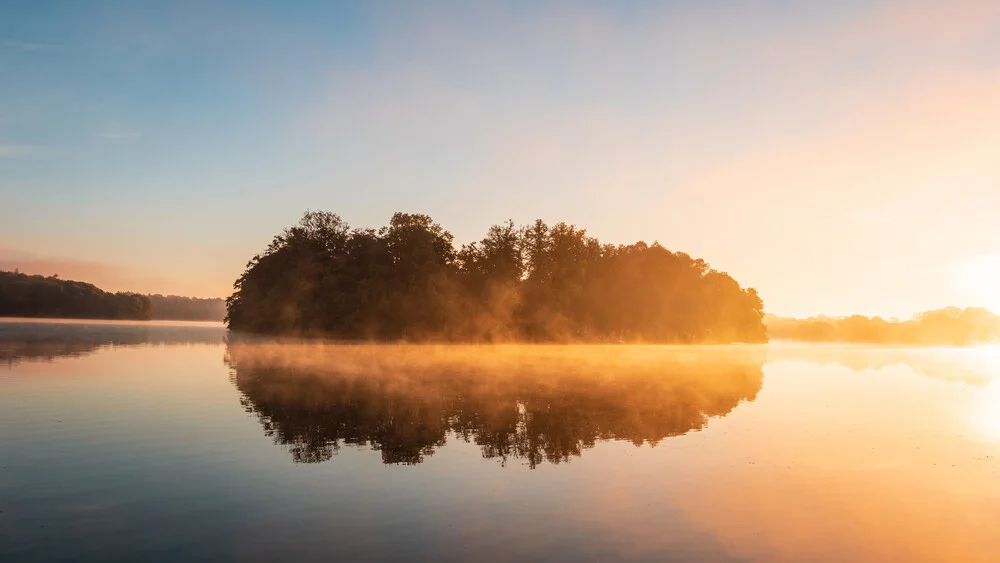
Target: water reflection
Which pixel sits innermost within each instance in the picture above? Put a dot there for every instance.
(142, 452)
(972, 365)
(28, 340)
(534, 404)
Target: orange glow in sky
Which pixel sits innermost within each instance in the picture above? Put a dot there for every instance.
(839, 157)
(979, 277)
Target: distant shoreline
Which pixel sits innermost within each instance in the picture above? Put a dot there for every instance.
(50, 297)
(951, 326)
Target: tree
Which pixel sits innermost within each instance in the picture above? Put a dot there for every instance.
(22, 295)
(406, 281)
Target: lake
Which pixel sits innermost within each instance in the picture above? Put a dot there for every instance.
(176, 442)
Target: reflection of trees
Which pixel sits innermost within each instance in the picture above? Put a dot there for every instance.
(532, 403)
(976, 366)
(34, 341)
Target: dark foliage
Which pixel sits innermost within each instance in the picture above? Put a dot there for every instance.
(22, 295)
(176, 308)
(537, 283)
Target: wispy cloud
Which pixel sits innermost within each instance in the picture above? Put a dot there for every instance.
(105, 275)
(12, 150)
(870, 135)
(29, 46)
(117, 134)
(68, 268)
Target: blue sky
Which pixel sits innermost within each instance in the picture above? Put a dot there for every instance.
(828, 154)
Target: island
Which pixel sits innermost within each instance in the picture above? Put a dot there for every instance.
(407, 281)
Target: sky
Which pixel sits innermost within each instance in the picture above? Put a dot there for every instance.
(840, 157)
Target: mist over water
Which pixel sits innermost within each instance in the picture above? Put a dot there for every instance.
(493, 281)
(172, 442)
(531, 404)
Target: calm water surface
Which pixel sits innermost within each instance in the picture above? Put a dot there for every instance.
(172, 442)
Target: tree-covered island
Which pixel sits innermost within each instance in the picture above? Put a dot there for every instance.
(538, 283)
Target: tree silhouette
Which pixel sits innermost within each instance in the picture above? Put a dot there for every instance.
(23, 295)
(406, 281)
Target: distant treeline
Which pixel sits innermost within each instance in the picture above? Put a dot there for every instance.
(174, 307)
(22, 295)
(951, 325)
(407, 281)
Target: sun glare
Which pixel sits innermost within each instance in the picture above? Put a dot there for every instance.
(979, 278)
(987, 413)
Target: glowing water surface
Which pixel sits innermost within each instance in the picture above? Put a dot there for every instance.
(170, 442)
